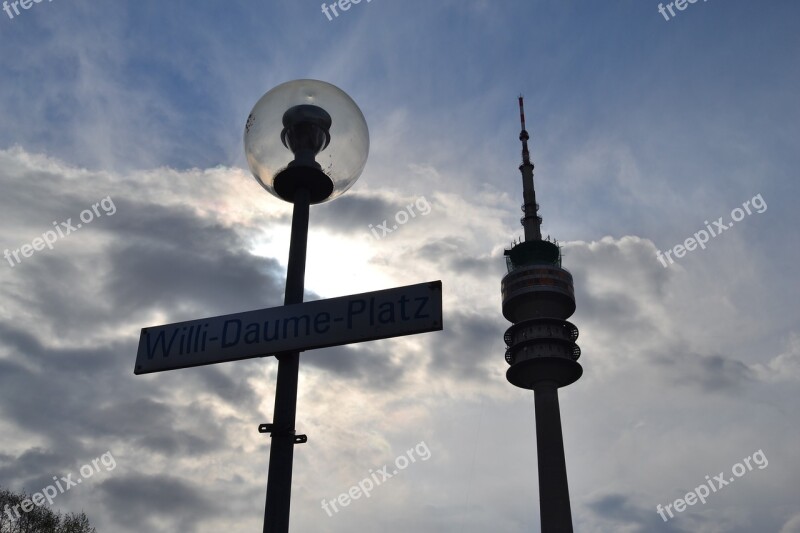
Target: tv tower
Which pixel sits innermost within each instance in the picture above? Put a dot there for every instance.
(538, 297)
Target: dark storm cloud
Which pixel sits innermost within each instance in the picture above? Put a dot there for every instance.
(618, 511)
(612, 310)
(156, 426)
(620, 308)
(368, 364)
(170, 259)
(713, 373)
(55, 394)
(54, 197)
(143, 502)
(66, 411)
(451, 255)
(603, 301)
(57, 285)
(483, 267)
(233, 389)
(157, 259)
(594, 261)
(30, 349)
(353, 213)
(31, 464)
(469, 346)
(43, 389)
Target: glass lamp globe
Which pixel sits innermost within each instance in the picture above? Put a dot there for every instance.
(306, 134)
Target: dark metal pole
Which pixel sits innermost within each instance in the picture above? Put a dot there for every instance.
(553, 489)
(281, 455)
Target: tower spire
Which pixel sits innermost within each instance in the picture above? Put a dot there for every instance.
(523, 135)
(531, 222)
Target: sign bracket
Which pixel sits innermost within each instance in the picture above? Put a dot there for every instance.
(269, 428)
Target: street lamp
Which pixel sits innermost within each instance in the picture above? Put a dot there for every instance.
(306, 133)
(306, 142)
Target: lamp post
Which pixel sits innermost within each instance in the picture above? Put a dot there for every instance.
(306, 142)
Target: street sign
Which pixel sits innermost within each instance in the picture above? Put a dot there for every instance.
(332, 322)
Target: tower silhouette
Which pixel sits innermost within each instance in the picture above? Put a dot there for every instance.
(538, 297)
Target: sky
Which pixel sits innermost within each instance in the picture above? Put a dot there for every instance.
(646, 129)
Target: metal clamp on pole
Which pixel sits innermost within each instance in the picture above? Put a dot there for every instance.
(269, 428)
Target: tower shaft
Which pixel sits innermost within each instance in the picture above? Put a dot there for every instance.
(553, 488)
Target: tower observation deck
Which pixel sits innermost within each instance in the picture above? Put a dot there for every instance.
(538, 298)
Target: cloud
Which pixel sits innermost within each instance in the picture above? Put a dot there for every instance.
(792, 526)
(784, 367)
(619, 513)
(157, 501)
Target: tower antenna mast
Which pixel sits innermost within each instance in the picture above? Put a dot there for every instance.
(531, 221)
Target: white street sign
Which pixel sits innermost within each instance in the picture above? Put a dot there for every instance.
(344, 320)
